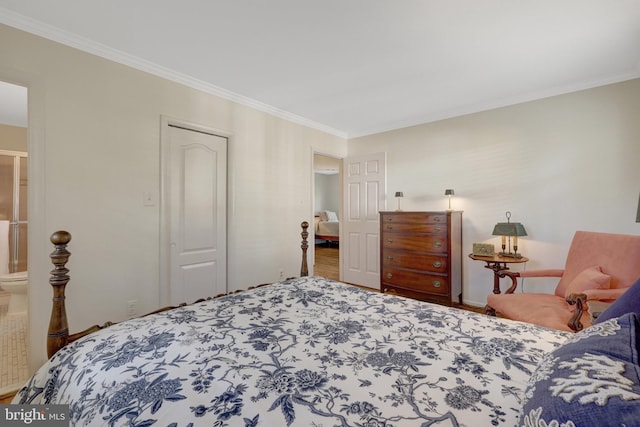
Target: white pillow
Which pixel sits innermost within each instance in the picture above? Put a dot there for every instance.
(332, 216)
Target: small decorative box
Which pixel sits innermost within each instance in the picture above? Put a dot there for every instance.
(483, 249)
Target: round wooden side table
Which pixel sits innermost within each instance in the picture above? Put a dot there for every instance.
(498, 264)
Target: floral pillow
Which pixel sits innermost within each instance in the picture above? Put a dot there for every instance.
(593, 379)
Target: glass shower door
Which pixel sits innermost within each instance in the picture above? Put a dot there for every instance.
(13, 208)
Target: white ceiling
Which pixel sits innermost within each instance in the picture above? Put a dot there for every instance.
(355, 67)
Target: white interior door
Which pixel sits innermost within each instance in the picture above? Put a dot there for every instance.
(364, 180)
(195, 189)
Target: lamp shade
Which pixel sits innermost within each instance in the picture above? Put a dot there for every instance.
(509, 229)
(399, 194)
(449, 192)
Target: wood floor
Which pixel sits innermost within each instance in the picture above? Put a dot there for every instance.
(326, 261)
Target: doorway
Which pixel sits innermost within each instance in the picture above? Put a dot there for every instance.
(327, 211)
(14, 369)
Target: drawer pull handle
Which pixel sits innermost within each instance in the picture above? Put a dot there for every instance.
(389, 257)
(438, 229)
(437, 264)
(436, 219)
(389, 240)
(437, 284)
(389, 275)
(389, 227)
(437, 244)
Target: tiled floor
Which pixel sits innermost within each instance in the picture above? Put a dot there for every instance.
(13, 349)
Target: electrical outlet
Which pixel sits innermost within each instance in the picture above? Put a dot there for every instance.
(281, 273)
(132, 308)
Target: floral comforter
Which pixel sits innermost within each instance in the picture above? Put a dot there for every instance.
(304, 352)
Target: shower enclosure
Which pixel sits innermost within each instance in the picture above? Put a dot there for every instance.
(13, 207)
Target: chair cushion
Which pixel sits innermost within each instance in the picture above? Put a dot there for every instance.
(626, 303)
(542, 309)
(589, 278)
(593, 379)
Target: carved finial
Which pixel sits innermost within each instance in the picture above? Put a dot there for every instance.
(60, 237)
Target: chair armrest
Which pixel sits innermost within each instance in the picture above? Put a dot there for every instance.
(542, 273)
(513, 275)
(579, 300)
(604, 294)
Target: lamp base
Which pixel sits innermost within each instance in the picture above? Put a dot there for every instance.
(510, 254)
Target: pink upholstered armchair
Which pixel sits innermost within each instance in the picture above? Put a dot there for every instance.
(599, 266)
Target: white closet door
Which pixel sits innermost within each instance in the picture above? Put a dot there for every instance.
(197, 181)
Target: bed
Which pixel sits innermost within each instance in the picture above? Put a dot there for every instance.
(327, 226)
(303, 352)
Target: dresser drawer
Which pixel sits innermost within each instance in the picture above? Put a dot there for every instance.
(403, 227)
(415, 261)
(416, 280)
(418, 243)
(412, 217)
(409, 293)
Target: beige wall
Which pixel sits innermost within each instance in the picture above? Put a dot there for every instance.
(559, 164)
(94, 129)
(13, 138)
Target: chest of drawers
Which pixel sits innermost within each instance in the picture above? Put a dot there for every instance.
(421, 255)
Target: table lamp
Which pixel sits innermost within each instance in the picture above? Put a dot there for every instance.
(449, 192)
(509, 230)
(399, 195)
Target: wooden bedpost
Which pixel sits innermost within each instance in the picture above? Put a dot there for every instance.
(58, 334)
(304, 269)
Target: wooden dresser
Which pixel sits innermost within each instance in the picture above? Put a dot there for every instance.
(421, 255)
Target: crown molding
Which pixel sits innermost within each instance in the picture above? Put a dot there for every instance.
(499, 103)
(55, 34)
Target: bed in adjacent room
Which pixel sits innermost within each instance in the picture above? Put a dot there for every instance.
(327, 226)
(303, 352)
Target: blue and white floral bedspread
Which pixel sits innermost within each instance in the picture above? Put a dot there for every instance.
(304, 352)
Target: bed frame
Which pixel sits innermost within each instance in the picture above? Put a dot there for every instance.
(327, 237)
(58, 334)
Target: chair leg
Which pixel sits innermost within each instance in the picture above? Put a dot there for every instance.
(490, 311)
